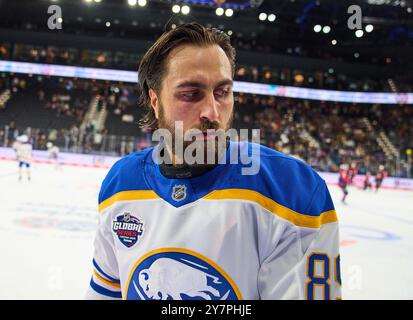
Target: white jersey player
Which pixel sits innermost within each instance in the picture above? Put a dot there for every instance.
(15, 147)
(24, 155)
(217, 236)
(180, 232)
(53, 154)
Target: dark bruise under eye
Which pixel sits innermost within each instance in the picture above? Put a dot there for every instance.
(188, 95)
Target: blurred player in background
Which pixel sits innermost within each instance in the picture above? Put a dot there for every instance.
(343, 180)
(16, 144)
(367, 182)
(352, 172)
(381, 174)
(24, 155)
(53, 154)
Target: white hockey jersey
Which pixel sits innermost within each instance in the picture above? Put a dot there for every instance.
(53, 152)
(218, 236)
(24, 152)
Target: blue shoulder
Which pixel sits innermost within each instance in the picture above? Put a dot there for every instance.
(125, 174)
(286, 180)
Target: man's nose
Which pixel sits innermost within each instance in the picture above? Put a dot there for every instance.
(209, 109)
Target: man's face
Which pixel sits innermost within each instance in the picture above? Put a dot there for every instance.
(197, 90)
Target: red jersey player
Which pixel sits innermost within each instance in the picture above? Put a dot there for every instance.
(380, 176)
(343, 180)
(367, 182)
(352, 172)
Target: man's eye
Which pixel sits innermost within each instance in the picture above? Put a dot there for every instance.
(222, 92)
(189, 94)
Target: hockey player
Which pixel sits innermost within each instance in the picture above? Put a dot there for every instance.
(352, 172)
(24, 154)
(381, 174)
(53, 154)
(367, 182)
(343, 181)
(16, 144)
(208, 231)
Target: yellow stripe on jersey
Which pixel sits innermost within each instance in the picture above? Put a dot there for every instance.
(107, 282)
(294, 217)
(126, 196)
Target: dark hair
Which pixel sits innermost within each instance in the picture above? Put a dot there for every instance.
(152, 67)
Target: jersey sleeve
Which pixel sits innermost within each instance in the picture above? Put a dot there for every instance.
(104, 283)
(304, 262)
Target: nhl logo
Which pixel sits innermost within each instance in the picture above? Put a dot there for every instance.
(126, 217)
(179, 192)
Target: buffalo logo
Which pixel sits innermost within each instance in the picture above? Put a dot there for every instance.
(179, 192)
(128, 229)
(179, 274)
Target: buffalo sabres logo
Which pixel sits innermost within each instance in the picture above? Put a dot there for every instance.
(179, 274)
(179, 192)
(128, 229)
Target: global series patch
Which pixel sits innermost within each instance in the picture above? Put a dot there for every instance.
(128, 229)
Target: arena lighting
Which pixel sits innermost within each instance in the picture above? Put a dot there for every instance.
(369, 28)
(262, 16)
(132, 2)
(50, 70)
(229, 12)
(334, 42)
(185, 10)
(176, 8)
(299, 78)
(107, 24)
(317, 28)
(356, 55)
(142, 3)
(409, 10)
(359, 33)
(271, 17)
(88, 0)
(97, 1)
(230, 32)
(219, 11)
(395, 3)
(326, 29)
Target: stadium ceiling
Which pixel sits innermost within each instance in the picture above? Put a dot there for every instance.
(286, 26)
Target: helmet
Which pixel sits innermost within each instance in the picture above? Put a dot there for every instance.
(23, 138)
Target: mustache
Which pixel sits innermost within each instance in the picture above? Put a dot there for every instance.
(205, 125)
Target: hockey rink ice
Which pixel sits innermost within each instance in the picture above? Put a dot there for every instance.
(47, 228)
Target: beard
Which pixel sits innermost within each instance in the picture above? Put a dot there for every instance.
(212, 150)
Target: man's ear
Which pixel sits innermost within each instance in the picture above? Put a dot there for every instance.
(154, 102)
